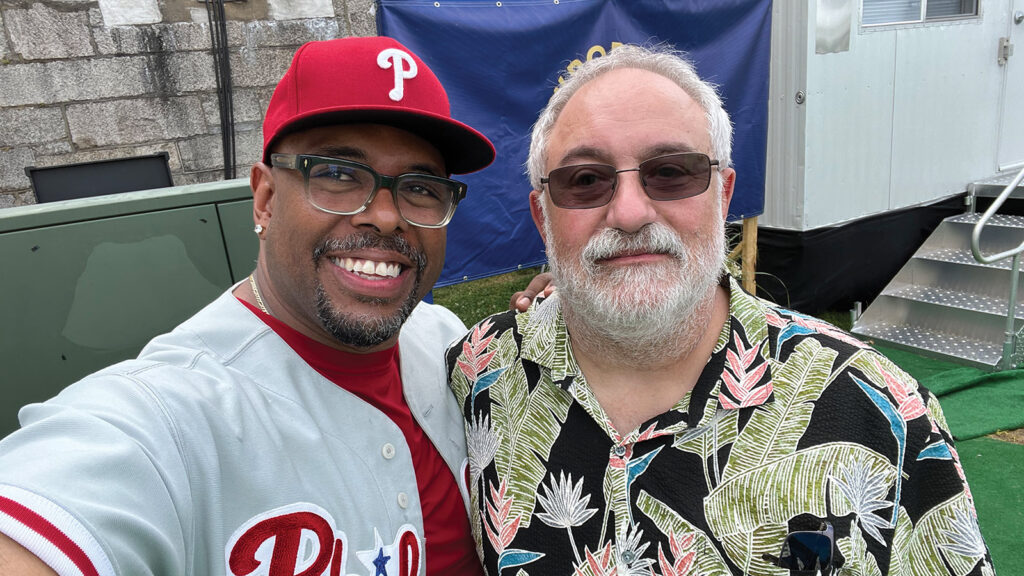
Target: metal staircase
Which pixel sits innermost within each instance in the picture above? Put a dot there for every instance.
(951, 300)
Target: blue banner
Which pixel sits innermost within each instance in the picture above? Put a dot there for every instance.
(501, 60)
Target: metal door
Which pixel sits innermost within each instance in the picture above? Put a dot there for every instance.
(1011, 128)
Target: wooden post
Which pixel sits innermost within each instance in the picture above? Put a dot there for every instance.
(749, 243)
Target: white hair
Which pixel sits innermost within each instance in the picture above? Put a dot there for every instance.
(662, 60)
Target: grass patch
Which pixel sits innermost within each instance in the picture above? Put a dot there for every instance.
(837, 318)
(476, 300)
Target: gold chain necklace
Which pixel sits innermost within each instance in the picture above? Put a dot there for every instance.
(256, 292)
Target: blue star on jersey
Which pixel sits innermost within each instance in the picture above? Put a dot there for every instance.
(381, 563)
(384, 558)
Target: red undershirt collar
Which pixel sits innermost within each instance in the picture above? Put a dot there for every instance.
(324, 358)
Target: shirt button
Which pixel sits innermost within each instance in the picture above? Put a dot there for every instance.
(403, 499)
(619, 451)
(388, 451)
(628, 556)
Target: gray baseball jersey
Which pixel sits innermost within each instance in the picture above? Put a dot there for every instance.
(220, 451)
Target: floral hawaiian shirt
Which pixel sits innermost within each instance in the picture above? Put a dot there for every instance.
(793, 426)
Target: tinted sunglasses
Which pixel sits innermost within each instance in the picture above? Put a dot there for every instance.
(807, 553)
(669, 177)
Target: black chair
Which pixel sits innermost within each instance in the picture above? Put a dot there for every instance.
(88, 179)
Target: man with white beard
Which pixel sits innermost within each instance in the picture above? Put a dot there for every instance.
(652, 417)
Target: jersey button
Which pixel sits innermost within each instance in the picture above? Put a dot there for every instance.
(388, 451)
(403, 499)
(619, 451)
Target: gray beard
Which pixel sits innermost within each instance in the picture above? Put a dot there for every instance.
(364, 330)
(639, 313)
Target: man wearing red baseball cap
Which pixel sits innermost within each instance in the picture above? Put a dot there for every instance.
(300, 424)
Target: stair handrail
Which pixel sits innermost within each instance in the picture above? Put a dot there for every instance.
(1010, 341)
(996, 205)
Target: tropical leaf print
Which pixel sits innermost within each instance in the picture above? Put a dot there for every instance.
(936, 414)
(483, 383)
(750, 314)
(747, 549)
(529, 422)
(947, 534)
(499, 522)
(501, 527)
(600, 564)
(779, 490)
(543, 342)
(630, 550)
(616, 502)
(964, 537)
(564, 503)
(705, 440)
(908, 401)
(858, 560)
(482, 444)
(681, 553)
(795, 324)
(513, 558)
(474, 357)
(775, 431)
(897, 425)
(749, 513)
(459, 384)
(744, 369)
(865, 491)
(517, 385)
(960, 472)
(565, 506)
(937, 450)
(707, 562)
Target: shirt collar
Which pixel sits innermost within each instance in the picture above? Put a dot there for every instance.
(546, 340)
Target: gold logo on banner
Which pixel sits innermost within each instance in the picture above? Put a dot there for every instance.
(595, 51)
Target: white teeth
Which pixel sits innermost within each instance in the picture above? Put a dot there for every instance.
(369, 267)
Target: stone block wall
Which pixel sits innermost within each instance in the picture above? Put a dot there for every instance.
(85, 80)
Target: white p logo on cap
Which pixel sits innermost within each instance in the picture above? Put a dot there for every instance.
(404, 65)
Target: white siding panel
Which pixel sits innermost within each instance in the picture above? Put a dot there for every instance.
(849, 130)
(946, 109)
(784, 177)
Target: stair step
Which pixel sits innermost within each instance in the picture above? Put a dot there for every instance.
(964, 257)
(943, 344)
(1006, 220)
(994, 186)
(954, 299)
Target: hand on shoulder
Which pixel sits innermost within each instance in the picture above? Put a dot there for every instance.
(542, 285)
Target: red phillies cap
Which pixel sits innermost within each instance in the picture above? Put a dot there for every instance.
(371, 80)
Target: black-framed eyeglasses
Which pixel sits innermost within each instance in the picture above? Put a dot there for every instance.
(669, 177)
(808, 552)
(344, 187)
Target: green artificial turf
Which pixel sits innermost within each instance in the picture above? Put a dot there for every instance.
(995, 471)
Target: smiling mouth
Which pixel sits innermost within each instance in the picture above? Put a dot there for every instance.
(368, 268)
(632, 253)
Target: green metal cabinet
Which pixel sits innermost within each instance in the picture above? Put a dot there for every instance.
(86, 283)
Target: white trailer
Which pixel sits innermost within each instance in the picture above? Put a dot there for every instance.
(883, 115)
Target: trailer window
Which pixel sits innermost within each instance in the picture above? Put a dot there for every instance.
(883, 12)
